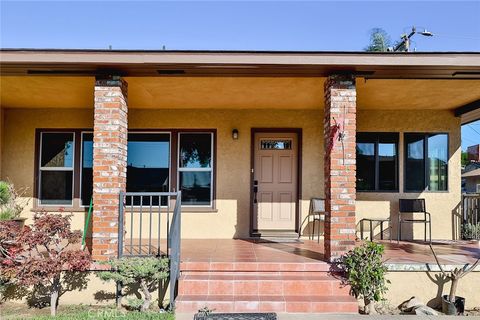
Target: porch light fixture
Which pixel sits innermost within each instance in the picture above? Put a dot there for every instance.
(235, 134)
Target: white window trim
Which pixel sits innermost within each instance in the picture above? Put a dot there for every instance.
(40, 169)
(179, 169)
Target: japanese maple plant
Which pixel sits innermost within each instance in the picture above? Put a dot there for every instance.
(39, 254)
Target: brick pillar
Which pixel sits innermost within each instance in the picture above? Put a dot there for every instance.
(339, 137)
(109, 163)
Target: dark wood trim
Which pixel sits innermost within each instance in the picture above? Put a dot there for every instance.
(469, 107)
(299, 133)
(76, 207)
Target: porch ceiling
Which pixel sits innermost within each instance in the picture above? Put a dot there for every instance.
(237, 92)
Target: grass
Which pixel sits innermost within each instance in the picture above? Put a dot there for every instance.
(15, 311)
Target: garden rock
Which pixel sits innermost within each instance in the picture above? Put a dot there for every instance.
(410, 304)
(425, 311)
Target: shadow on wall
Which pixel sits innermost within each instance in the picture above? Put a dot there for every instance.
(439, 280)
(457, 222)
(39, 296)
(133, 291)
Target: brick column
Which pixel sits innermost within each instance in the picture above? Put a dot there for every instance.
(339, 137)
(109, 163)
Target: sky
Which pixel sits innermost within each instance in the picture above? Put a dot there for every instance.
(245, 25)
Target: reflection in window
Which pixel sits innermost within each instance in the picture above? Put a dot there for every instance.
(86, 186)
(195, 150)
(366, 164)
(276, 144)
(426, 164)
(437, 162)
(377, 161)
(56, 168)
(196, 187)
(148, 164)
(195, 168)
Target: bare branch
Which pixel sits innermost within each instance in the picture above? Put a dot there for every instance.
(438, 262)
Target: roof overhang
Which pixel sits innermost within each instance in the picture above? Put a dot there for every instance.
(133, 63)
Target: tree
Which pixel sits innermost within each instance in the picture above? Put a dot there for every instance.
(379, 41)
(365, 273)
(145, 272)
(40, 254)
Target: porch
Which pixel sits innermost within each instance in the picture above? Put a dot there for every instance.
(250, 275)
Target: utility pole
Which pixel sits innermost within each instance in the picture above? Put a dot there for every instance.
(405, 43)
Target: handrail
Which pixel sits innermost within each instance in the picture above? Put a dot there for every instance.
(137, 206)
(174, 240)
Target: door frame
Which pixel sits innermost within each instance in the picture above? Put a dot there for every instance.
(298, 131)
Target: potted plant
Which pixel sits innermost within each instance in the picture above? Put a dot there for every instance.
(365, 273)
(451, 303)
(12, 203)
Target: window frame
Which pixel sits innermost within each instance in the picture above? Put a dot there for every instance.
(211, 169)
(39, 169)
(77, 206)
(426, 172)
(376, 137)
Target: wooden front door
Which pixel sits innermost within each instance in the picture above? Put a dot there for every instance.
(275, 181)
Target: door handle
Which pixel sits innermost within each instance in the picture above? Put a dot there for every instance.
(255, 190)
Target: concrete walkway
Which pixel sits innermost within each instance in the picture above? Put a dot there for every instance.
(316, 316)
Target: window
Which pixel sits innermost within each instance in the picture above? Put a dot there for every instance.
(56, 168)
(148, 164)
(195, 168)
(377, 161)
(478, 188)
(66, 176)
(426, 161)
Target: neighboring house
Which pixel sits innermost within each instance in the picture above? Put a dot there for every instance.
(472, 181)
(248, 137)
(473, 153)
(469, 177)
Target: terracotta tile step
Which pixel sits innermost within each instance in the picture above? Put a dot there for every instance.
(242, 303)
(245, 284)
(254, 266)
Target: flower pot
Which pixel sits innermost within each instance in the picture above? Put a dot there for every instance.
(453, 308)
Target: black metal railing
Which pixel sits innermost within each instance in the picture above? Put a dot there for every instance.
(149, 227)
(470, 216)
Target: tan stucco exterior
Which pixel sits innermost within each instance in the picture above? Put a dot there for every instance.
(232, 209)
(443, 206)
(237, 92)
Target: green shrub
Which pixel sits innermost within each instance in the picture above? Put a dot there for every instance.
(4, 193)
(144, 272)
(7, 214)
(365, 273)
(471, 231)
(11, 201)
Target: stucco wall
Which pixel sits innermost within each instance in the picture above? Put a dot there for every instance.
(443, 206)
(231, 219)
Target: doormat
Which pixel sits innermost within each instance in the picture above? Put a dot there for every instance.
(235, 316)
